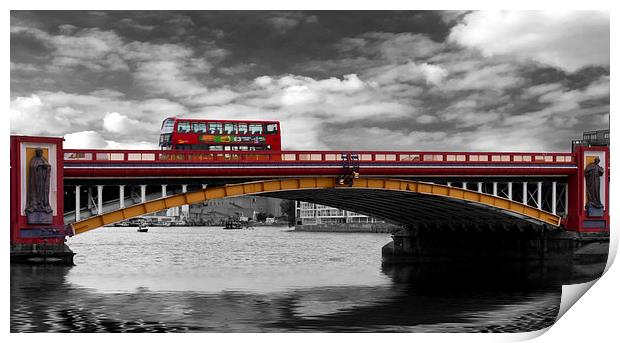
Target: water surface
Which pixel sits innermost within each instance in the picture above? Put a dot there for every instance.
(270, 279)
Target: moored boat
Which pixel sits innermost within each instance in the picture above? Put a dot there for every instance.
(143, 227)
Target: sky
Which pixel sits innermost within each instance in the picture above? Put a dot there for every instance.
(354, 80)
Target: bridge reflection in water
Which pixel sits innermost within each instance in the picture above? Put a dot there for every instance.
(260, 280)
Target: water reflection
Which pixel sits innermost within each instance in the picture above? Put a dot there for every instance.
(380, 299)
(43, 300)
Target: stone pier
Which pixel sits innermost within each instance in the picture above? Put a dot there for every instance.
(568, 256)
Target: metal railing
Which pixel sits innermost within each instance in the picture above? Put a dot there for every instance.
(193, 156)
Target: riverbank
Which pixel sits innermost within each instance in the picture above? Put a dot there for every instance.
(350, 227)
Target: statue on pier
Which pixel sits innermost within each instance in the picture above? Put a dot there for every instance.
(593, 173)
(38, 207)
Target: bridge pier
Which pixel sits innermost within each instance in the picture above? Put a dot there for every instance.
(38, 232)
(569, 256)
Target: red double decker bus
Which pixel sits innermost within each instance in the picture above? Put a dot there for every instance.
(219, 135)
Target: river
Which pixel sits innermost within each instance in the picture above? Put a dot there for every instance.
(269, 279)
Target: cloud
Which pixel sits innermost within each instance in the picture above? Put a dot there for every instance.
(434, 74)
(161, 69)
(565, 40)
(89, 47)
(118, 123)
(84, 140)
(285, 21)
(491, 77)
(59, 113)
(95, 140)
(213, 97)
(538, 90)
(393, 47)
(130, 23)
(409, 72)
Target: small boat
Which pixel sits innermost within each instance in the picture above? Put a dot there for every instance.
(143, 228)
(232, 225)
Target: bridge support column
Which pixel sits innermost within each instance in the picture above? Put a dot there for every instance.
(554, 197)
(479, 187)
(509, 190)
(565, 199)
(494, 188)
(184, 208)
(524, 193)
(163, 191)
(121, 196)
(89, 203)
(143, 193)
(99, 199)
(77, 203)
(464, 185)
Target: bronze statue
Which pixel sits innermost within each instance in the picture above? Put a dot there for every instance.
(593, 175)
(38, 206)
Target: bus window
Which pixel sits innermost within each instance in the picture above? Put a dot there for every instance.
(215, 128)
(183, 127)
(199, 127)
(272, 128)
(216, 148)
(243, 148)
(167, 126)
(256, 129)
(243, 128)
(230, 128)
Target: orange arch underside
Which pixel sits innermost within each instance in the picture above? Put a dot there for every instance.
(260, 187)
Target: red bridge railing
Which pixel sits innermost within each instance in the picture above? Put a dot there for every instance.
(430, 157)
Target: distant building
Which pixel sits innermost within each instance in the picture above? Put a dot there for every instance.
(215, 212)
(313, 214)
(593, 138)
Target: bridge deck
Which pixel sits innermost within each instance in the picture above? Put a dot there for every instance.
(268, 164)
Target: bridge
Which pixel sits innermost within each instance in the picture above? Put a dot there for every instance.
(465, 194)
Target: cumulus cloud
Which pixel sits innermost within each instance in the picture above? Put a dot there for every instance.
(28, 116)
(84, 140)
(95, 140)
(118, 123)
(565, 40)
(59, 113)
